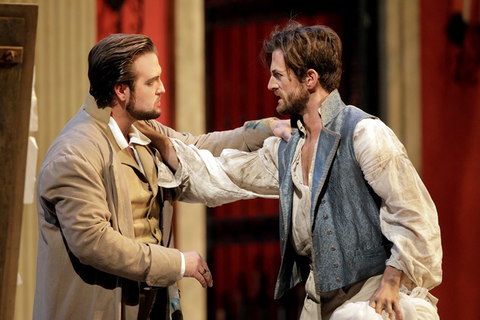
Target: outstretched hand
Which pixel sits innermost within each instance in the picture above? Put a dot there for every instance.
(161, 143)
(281, 129)
(196, 267)
(387, 297)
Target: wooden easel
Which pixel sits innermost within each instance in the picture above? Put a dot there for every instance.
(18, 27)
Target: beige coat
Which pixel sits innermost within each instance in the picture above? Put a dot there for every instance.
(89, 265)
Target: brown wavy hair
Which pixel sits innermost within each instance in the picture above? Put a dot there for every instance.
(315, 47)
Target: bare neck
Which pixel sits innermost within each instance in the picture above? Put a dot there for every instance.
(123, 120)
(311, 118)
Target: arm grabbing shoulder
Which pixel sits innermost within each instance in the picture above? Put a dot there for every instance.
(249, 137)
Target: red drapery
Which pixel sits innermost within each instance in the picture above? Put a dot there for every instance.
(451, 153)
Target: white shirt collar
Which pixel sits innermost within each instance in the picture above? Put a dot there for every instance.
(136, 137)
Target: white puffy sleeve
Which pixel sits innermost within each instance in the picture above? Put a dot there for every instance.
(235, 175)
(408, 215)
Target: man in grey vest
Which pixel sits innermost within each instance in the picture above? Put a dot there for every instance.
(356, 221)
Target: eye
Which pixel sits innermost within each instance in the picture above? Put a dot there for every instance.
(277, 75)
(153, 81)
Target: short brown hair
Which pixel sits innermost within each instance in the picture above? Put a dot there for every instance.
(110, 62)
(308, 47)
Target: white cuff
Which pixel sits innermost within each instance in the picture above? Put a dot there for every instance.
(182, 270)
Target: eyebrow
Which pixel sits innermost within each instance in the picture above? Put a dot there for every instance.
(152, 79)
(276, 71)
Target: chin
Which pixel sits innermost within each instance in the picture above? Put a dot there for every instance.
(281, 110)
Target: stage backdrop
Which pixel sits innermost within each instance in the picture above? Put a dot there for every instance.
(450, 60)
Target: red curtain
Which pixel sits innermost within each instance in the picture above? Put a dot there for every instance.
(451, 154)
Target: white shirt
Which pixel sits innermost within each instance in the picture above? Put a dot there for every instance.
(135, 138)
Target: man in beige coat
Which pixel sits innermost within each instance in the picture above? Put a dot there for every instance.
(105, 197)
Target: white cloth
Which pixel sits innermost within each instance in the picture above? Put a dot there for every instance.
(408, 215)
(414, 306)
(32, 150)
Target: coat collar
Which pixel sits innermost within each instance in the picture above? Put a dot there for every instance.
(103, 116)
(331, 107)
(90, 106)
(328, 110)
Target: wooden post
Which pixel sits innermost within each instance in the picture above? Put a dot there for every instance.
(18, 25)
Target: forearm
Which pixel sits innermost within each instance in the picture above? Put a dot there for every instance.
(209, 180)
(248, 137)
(392, 277)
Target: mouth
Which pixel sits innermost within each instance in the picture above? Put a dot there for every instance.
(280, 98)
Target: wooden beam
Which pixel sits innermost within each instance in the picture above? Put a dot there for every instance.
(18, 23)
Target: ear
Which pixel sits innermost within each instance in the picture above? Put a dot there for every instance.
(311, 79)
(122, 91)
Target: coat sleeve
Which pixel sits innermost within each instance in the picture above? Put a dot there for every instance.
(249, 137)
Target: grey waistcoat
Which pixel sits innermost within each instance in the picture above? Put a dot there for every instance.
(348, 245)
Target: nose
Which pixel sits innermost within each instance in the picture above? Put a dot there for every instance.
(160, 89)
(272, 83)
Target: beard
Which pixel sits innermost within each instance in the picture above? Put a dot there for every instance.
(141, 114)
(294, 103)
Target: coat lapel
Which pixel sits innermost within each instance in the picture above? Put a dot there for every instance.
(326, 150)
(127, 159)
(286, 188)
(146, 157)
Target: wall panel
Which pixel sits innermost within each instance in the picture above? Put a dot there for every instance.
(65, 34)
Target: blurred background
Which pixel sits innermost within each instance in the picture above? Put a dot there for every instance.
(413, 63)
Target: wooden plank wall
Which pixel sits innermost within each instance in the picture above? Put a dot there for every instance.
(18, 24)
